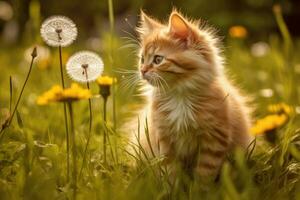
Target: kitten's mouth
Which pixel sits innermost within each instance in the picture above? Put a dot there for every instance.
(152, 81)
(148, 78)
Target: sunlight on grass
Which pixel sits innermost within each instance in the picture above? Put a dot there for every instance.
(37, 144)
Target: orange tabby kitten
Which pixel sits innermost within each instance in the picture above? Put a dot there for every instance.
(196, 116)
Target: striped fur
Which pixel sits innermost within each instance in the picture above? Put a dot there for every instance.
(196, 115)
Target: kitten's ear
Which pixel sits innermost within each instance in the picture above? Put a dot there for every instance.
(147, 24)
(178, 26)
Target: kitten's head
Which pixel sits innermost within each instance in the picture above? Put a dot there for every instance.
(177, 53)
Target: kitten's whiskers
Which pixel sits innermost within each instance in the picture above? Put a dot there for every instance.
(130, 79)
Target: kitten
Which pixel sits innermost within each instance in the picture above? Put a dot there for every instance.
(196, 116)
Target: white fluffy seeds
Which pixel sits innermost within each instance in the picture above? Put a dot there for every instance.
(84, 66)
(58, 30)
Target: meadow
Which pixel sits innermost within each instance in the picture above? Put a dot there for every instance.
(33, 147)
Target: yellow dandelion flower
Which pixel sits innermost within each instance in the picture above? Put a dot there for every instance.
(238, 32)
(104, 83)
(106, 80)
(57, 94)
(269, 123)
(281, 108)
(42, 101)
(281, 120)
(256, 130)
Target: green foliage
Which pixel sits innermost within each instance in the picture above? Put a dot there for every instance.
(33, 151)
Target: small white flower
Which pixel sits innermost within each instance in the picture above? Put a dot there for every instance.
(6, 11)
(267, 92)
(260, 49)
(58, 30)
(84, 66)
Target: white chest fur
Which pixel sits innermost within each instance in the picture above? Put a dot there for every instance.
(180, 113)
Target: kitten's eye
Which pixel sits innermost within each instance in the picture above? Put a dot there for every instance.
(142, 59)
(157, 59)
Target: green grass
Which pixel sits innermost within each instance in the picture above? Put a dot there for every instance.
(32, 152)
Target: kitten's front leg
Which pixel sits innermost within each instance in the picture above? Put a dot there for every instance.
(165, 148)
(213, 150)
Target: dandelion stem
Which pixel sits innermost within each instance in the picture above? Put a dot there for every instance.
(74, 156)
(111, 14)
(111, 23)
(90, 128)
(8, 123)
(10, 93)
(114, 106)
(61, 67)
(90, 108)
(65, 113)
(104, 134)
(114, 115)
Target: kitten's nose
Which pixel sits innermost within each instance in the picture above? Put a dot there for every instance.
(144, 70)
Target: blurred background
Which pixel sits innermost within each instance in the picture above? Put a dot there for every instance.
(20, 19)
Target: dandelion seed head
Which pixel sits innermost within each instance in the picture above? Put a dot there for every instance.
(58, 30)
(84, 66)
